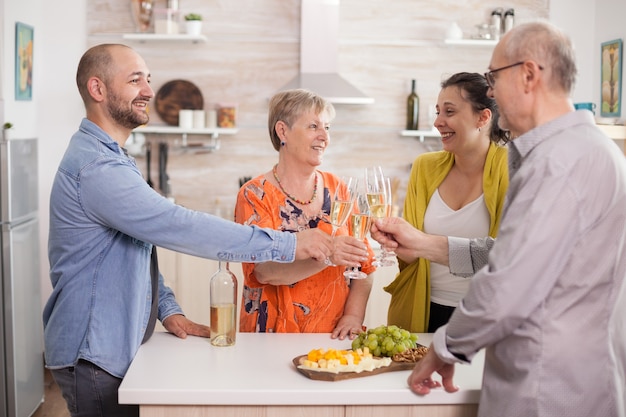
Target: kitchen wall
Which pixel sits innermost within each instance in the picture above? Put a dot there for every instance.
(251, 54)
(253, 50)
(22, 114)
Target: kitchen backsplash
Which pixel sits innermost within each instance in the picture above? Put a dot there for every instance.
(253, 50)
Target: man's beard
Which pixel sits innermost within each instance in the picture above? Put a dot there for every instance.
(125, 116)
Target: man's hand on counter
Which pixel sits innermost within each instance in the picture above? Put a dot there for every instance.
(181, 326)
(421, 382)
(313, 243)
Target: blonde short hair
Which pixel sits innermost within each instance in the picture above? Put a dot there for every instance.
(289, 105)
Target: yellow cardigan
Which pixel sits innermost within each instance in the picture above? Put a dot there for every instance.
(410, 291)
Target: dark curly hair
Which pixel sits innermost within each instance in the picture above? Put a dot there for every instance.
(475, 88)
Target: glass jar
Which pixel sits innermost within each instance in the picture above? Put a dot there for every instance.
(166, 21)
(226, 115)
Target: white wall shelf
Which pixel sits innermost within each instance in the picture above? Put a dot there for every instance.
(471, 42)
(421, 134)
(183, 37)
(150, 37)
(214, 134)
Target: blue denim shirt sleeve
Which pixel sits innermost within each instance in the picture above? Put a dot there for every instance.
(167, 301)
(104, 219)
(141, 212)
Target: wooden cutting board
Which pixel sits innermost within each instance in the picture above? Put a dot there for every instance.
(329, 376)
(177, 95)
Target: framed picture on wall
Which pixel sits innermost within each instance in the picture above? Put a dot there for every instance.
(24, 36)
(611, 81)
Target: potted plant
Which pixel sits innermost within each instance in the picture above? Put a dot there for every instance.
(194, 23)
(5, 130)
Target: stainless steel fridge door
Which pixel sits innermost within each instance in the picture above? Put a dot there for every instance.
(22, 324)
(19, 197)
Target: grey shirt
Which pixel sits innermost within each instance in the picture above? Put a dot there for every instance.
(466, 256)
(550, 305)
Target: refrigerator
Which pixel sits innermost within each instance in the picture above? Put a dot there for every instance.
(21, 327)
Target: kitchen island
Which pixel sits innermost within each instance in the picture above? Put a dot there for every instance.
(256, 377)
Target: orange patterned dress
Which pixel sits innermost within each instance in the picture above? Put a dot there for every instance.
(312, 305)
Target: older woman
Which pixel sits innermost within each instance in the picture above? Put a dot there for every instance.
(304, 296)
(457, 192)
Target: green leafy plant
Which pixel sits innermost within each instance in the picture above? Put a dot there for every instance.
(193, 16)
(7, 125)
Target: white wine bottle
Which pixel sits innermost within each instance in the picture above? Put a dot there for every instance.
(412, 109)
(223, 302)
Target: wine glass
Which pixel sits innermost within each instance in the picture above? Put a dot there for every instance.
(360, 222)
(379, 199)
(387, 256)
(341, 205)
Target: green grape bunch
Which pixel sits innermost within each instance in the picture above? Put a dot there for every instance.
(385, 340)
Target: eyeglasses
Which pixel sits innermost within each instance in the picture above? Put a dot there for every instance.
(491, 80)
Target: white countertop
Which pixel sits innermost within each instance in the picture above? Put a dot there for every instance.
(258, 370)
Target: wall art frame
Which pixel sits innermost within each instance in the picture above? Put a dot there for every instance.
(24, 42)
(611, 78)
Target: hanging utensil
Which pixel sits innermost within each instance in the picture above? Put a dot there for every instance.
(164, 179)
(148, 160)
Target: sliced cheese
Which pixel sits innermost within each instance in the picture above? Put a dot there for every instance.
(336, 361)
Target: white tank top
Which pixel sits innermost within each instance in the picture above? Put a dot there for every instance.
(470, 221)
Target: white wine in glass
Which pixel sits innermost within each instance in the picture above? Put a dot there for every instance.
(379, 200)
(341, 205)
(378, 208)
(360, 222)
(339, 212)
(387, 257)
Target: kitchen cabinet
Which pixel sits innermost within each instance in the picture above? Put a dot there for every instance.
(168, 261)
(189, 276)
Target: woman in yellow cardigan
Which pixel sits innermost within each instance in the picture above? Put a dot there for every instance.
(458, 192)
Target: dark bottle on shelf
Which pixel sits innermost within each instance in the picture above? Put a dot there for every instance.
(412, 109)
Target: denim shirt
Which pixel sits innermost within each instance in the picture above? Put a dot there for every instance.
(104, 219)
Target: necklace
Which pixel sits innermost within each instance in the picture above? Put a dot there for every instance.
(304, 203)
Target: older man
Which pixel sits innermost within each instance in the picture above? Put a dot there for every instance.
(550, 306)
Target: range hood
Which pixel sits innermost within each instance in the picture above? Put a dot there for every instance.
(319, 48)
